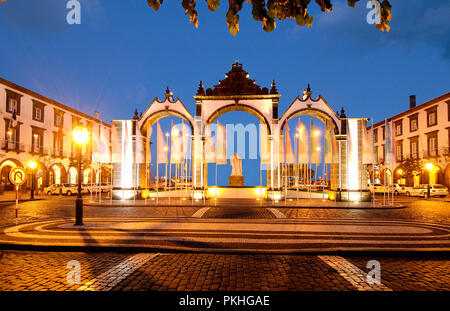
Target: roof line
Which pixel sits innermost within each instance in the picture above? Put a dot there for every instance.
(50, 101)
(419, 107)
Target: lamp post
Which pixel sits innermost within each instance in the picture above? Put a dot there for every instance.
(81, 136)
(429, 167)
(32, 165)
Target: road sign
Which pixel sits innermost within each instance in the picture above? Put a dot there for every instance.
(17, 176)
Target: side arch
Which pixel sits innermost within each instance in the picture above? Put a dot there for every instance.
(319, 114)
(162, 114)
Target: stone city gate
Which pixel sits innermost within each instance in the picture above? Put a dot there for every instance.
(237, 92)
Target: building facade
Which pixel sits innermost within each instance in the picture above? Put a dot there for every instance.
(34, 127)
(421, 135)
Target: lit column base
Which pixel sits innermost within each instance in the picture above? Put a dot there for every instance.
(126, 194)
(351, 195)
(275, 195)
(198, 194)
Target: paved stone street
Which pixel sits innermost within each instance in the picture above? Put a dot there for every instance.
(30, 271)
(195, 271)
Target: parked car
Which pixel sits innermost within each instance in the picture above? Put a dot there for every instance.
(92, 188)
(400, 189)
(377, 188)
(68, 189)
(422, 191)
(52, 189)
(105, 187)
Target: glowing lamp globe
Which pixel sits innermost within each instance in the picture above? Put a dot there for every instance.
(32, 165)
(429, 166)
(80, 135)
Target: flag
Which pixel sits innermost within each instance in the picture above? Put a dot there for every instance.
(389, 147)
(263, 148)
(175, 148)
(116, 142)
(303, 153)
(316, 148)
(184, 141)
(210, 150)
(328, 157)
(368, 156)
(289, 153)
(95, 140)
(148, 147)
(13, 122)
(139, 145)
(334, 147)
(374, 149)
(221, 145)
(161, 146)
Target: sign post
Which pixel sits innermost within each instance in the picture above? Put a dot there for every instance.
(18, 177)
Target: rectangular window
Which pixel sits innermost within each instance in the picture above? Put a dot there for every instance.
(432, 144)
(57, 144)
(58, 117)
(399, 128)
(432, 116)
(58, 120)
(36, 143)
(38, 111)
(376, 154)
(12, 105)
(13, 102)
(383, 129)
(375, 134)
(414, 149)
(37, 139)
(399, 151)
(38, 114)
(432, 119)
(448, 109)
(11, 137)
(414, 125)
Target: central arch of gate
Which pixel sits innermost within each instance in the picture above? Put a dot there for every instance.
(237, 92)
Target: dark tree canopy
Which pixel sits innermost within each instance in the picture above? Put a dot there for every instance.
(268, 12)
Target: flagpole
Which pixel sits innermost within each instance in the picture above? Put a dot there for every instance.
(296, 147)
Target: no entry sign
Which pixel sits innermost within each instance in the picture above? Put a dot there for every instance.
(17, 176)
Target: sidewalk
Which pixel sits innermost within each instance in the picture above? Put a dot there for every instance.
(10, 196)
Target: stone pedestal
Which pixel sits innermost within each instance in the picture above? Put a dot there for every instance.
(236, 181)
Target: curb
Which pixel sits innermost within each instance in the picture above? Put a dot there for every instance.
(26, 200)
(349, 251)
(262, 206)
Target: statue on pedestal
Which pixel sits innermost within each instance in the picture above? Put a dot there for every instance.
(236, 178)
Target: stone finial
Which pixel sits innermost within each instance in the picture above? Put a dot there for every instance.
(273, 88)
(200, 90)
(307, 93)
(136, 115)
(342, 115)
(168, 93)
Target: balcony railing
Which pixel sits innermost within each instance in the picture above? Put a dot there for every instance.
(39, 150)
(59, 153)
(8, 145)
(431, 153)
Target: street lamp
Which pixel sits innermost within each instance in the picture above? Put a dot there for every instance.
(32, 165)
(80, 135)
(429, 167)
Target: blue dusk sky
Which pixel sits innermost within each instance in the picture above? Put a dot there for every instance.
(124, 54)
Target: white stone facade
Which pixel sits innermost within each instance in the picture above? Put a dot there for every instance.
(43, 134)
(421, 133)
